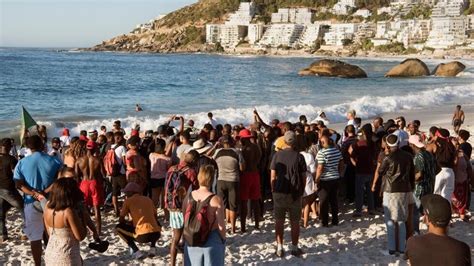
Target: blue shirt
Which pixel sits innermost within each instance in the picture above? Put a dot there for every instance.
(38, 171)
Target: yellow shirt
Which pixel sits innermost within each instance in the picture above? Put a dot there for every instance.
(143, 214)
(280, 144)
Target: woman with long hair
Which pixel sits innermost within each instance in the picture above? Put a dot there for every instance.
(65, 227)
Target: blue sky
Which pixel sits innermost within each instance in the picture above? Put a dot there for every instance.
(75, 23)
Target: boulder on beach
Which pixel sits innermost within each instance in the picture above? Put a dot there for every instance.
(333, 68)
(450, 69)
(409, 68)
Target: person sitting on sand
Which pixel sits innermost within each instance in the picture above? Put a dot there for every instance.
(458, 118)
(65, 227)
(34, 175)
(9, 196)
(145, 227)
(398, 176)
(288, 179)
(91, 171)
(212, 251)
(436, 247)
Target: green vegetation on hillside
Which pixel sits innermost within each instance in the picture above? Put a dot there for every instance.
(419, 11)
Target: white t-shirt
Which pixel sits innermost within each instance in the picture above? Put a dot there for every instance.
(183, 148)
(213, 122)
(65, 141)
(120, 152)
(310, 187)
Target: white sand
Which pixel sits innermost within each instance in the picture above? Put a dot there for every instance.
(354, 241)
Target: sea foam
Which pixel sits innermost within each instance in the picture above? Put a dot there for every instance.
(366, 107)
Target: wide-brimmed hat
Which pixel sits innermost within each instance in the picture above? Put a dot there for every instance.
(201, 146)
(416, 140)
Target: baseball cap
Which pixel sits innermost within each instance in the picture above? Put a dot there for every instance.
(396, 140)
(290, 137)
(92, 132)
(245, 134)
(438, 209)
(132, 187)
(91, 145)
(415, 140)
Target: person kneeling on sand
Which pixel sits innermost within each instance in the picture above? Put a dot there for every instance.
(436, 247)
(288, 179)
(145, 227)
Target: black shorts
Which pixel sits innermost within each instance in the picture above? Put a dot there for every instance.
(457, 122)
(118, 183)
(157, 183)
(229, 192)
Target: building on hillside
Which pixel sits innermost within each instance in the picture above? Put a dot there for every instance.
(365, 31)
(255, 33)
(231, 35)
(243, 16)
(447, 32)
(385, 9)
(281, 35)
(402, 3)
(414, 33)
(293, 15)
(363, 12)
(380, 42)
(312, 33)
(340, 33)
(343, 7)
(213, 33)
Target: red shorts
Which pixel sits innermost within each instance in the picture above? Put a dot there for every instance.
(93, 192)
(250, 186)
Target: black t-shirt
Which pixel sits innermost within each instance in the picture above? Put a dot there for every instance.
(431, 249)
(7, 163)
(288, 164)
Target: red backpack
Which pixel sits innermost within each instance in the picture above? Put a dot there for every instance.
(111, 164)
(196, 224)
(174, 180)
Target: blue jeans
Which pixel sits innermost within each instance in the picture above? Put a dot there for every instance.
(363, 182)
(392, 232)
(211, 253)
(8, 198)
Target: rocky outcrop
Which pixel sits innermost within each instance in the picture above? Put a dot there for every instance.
(333, 68)
(450, 69)
(409, 68)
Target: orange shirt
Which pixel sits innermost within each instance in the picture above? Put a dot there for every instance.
(143, 214)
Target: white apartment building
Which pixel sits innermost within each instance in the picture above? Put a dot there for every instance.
(402, 3)
(385, 9)
(311, 33)
(343, 7)
(281, 35)
(414, 32)
(212, 33)
(363, 12)
(447, 32)
(292, 15)
(339, 32)
(231, 35)
(255, 33)
(451, 9)
(243, 16)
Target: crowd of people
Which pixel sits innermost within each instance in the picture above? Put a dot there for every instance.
(199, 182)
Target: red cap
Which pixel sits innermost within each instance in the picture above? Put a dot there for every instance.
(245, 134)
(135, 132)
(91, 145)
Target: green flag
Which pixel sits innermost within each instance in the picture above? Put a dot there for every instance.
(26, 123)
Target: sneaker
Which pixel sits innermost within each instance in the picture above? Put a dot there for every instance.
(280, 253)
(139, 255)
(297, 252)
(392, 252)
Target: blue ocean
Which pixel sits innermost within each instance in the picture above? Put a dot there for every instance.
(83, 90)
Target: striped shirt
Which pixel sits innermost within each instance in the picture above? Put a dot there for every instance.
(330, 158)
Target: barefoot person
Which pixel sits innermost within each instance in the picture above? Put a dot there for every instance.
(458, 118)
(90, 169)
(249, 179)
(288, 179)
(33, 175)
(65, 227)
(9, 196)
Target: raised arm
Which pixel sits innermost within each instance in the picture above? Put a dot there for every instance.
(259, 119)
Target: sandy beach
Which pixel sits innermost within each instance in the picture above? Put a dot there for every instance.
(355, 241)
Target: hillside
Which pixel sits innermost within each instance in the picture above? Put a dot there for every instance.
(184, 30)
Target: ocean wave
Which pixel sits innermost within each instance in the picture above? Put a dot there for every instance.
(366, 107)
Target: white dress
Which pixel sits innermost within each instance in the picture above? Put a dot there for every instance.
(310, 187)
